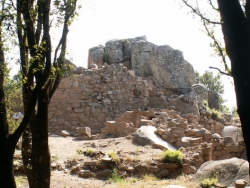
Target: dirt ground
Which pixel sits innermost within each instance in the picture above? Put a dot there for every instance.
(65, 149)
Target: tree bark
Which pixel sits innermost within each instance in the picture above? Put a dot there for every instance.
(40, 146)
(7, 148)
(237, 41)
(6, 164)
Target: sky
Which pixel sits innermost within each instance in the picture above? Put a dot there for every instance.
(163, 22)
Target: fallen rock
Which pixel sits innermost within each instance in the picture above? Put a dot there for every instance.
(228, 171)
(65, 133)
(145, 135)
(86, 174)
(84, 131)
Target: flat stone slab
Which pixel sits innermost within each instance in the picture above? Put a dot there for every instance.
(145, 135)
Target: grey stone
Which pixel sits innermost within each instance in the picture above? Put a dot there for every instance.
(145, 135)
(114, 49)
(79, 70)
(230, 131)
(213, 100)
(163, 173)
(96, 56)
(169, 67)
(228, 171)
(186, 103)
(201, 92)
(140, 56)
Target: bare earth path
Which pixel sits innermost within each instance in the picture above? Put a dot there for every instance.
(63, 149)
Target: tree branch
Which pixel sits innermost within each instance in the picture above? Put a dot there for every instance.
(198, 13)
(220, 71)
(217, 45)
(212, 5)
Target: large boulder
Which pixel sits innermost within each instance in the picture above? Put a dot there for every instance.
(227, 171)
(169, 67)
(140, 58)
(230, 131)
(201, 92)
(185, 103)
(145, 135)
(213, 100)
(114, 48)
(165, 64)
(96, 56)
(190, 72)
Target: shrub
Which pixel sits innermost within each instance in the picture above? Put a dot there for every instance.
(79, 151)
(89, 152)
(209, 182)
(115, 177)
(205, 102)
(114, 157)
(214, 113)
(173, 156)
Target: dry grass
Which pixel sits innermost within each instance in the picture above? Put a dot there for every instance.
(150, 181)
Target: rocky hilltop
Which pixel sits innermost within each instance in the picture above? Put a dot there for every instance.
(165, 64)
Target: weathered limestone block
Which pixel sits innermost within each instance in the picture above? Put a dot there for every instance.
(185, 103)
(230, 131)
(169, 67)
(119, 128)
(178, 123)
(84, 131)
(141, 52)
(202, 93)
(114, 49)
(96, 56)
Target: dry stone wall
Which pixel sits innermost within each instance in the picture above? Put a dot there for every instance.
(99, 95)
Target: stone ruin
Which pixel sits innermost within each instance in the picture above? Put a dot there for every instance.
(131, 83)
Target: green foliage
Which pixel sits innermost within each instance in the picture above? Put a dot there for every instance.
(205, 102)
(79, 151)
(125, 42)
(214, 113)
(114, 157)
(172, 156)
(234, 112)
(13, 92)
(106, 57)
(209, 182)
(212, 82)
(115, 177)
(89, 152)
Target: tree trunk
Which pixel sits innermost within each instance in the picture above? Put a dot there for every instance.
(40, 146)
(6, 147)
(6, 164)
(237, 41)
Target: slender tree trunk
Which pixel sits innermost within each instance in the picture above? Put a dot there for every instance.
(6, 164)
(237, 40)
(7, 148)
(40, 146)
